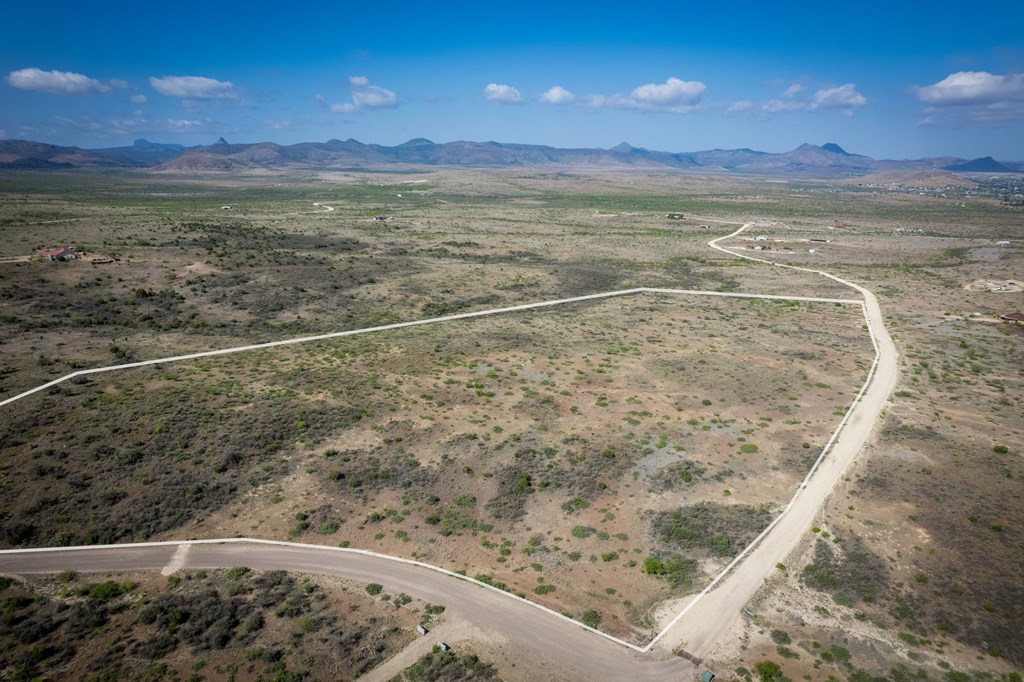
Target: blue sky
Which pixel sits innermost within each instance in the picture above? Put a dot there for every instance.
(878, 78)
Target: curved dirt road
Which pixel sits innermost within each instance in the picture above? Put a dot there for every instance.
(562, 647)
(709, 616)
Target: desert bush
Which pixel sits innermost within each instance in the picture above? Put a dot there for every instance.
(855, 574)
(721, 529)
(444, 665)
(677, 570)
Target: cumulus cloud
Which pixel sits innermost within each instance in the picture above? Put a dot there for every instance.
(973, 96)
(139, 99)
(973, 87)
(671, 95)
(194, 87)
(60, 82)
(365, 95)
(506, 94)
(557, 95)
(674, 95)
(841, 97)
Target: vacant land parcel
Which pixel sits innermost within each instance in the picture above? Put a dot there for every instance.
(599, 456)
(367, 441)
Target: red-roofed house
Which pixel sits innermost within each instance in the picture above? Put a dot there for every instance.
(63, 253)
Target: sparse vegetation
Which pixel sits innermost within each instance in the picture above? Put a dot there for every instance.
(271, 622)
(528, 425)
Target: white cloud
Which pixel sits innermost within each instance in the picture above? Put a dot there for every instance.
(365, 95)
(841, 97)
(670, 95)
(139, 99)
(674, 95)
(506, 94)
(59, 82)
(973, 88)
(194, 87)
(775, 106)
(593, 101)
(374, 97)
(557, 95)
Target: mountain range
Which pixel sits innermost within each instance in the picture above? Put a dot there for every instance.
(828, 160)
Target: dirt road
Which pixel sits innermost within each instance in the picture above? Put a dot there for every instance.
(562, 649)
(707, 619)
(559, 647)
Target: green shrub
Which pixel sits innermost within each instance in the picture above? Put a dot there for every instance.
(768, 671)
(464, 500)
(104, 591)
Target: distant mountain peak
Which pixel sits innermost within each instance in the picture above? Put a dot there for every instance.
(835, 149)
(221, 140)
(985, 164)
(624, 147)
(416, 142)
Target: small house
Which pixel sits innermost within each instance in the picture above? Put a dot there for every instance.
(443, 647)
(226, 208)
(762, 238)
(62, 254)
(422, 630)
(707, 676)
